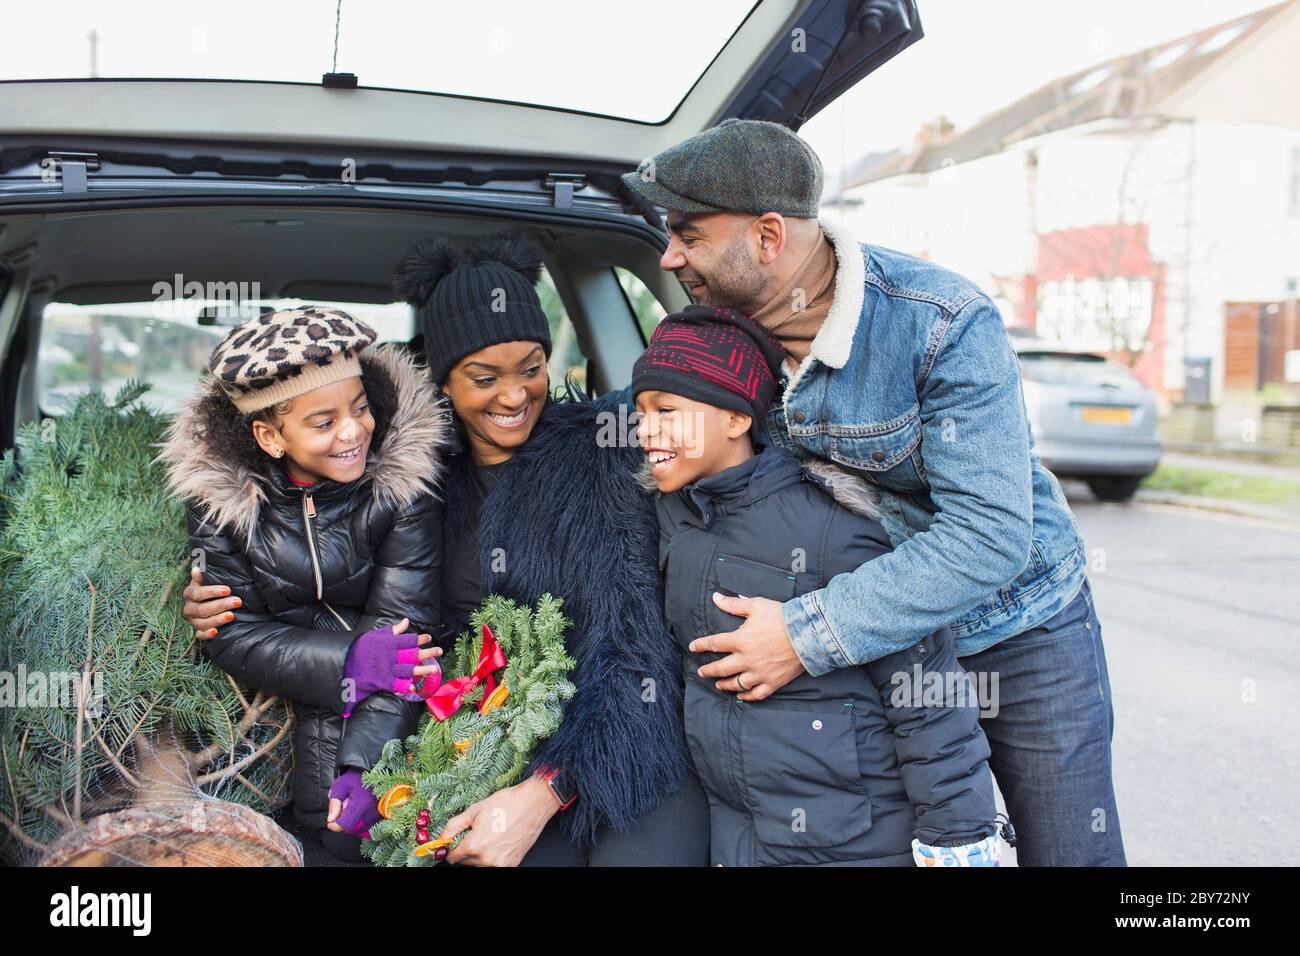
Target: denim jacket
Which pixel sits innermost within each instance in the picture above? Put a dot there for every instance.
(912, 383)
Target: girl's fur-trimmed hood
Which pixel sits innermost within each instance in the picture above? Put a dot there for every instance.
(231, 490)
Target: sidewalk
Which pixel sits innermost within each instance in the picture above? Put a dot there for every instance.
(1236, 466)
(1244, 509)
(1286, 510)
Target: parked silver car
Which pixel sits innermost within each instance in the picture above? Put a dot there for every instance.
(1092, 418)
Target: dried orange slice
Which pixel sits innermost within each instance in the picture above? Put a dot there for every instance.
(395, 797)
(494, 700)
(424, 849)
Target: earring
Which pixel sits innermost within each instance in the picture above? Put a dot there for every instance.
(279, 452)
(442, 400)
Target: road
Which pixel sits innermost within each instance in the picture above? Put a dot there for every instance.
(1200, 615)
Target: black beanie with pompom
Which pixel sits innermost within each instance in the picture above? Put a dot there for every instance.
(469, 301)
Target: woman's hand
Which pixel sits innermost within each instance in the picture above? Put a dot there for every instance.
(503, 827)
(207, 607)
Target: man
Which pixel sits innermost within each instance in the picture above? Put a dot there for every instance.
(902, 371)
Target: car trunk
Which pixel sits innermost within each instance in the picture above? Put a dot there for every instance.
(1080, 399)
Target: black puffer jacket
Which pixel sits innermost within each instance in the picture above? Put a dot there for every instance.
(830, 770)
(315, 568)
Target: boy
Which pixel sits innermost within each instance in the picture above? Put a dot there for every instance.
(849, 768)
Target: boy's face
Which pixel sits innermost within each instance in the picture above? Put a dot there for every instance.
(324, 433)
(686, 440)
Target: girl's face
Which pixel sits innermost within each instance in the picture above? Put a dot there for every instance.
(498, 392)
(324, 433)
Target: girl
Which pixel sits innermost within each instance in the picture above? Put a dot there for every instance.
(308, 464)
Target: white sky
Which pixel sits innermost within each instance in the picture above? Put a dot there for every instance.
(980, 55)
(977, 55)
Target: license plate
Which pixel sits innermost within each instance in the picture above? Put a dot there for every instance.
(1107, 415)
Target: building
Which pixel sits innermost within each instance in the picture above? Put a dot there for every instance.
(1122, 208)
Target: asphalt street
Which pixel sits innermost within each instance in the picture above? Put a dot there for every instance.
(1200, 616)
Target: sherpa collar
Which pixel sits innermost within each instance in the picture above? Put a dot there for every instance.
(834, 341)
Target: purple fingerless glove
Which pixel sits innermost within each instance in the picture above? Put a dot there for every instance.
(360, 810)
(380, 660)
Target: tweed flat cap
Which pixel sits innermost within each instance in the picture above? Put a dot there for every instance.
(750, 166)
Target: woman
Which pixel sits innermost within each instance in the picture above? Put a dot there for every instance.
(535, 504)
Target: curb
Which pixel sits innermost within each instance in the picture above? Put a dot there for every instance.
(1221, 505)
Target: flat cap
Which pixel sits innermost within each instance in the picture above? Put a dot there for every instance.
(750, 166)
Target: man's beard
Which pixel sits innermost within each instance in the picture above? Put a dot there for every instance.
(736, 282)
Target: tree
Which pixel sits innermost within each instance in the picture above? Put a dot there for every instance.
(104, 698)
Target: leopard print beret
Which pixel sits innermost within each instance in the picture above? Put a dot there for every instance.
(282, 355)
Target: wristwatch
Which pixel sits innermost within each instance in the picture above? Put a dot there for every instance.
(561, 785)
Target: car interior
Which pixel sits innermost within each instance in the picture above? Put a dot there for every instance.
(91, 298)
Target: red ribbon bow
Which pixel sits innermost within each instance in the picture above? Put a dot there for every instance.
(446, 700)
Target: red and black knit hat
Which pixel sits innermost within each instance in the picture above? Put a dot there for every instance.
(715, 356)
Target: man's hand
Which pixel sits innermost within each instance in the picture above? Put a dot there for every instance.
(504, 826)
(207, 607)
(759, 652)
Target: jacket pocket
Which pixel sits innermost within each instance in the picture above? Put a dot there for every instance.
(888, 452)
(734, 575)
(753, 578)
(802, 774)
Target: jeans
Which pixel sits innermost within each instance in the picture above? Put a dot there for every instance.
(1051, 738)
(675, 833)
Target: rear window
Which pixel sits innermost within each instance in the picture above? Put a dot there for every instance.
(581, 55)
(86, 347)
(1058, 368)
(164, 343)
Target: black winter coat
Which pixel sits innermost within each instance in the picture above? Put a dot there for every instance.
(567, 516)
(827, 770)
(317, 567)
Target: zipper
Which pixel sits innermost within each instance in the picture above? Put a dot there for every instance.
(308, 515)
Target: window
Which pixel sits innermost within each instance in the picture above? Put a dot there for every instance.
(86, 347)
(566, 356)
(1294, 206)
(578, 55)
(644, 305)
(1062, 368)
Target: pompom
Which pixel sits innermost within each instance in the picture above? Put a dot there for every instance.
(425, 265)
(512, 249)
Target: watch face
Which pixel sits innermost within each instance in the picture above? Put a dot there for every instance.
(561, 788)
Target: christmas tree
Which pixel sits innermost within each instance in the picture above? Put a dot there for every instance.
(105, 701)
(488, 733)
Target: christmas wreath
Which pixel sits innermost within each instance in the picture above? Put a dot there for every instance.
(502, 690)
